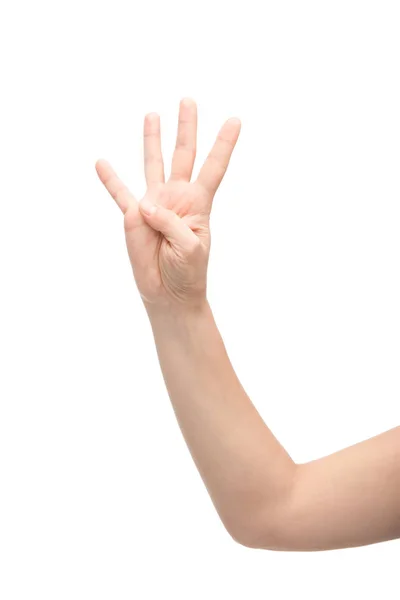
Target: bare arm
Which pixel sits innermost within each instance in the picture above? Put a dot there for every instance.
(349, 498)
(264, 499)
(243, 466)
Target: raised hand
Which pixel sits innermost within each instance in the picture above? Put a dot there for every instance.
(167, 232)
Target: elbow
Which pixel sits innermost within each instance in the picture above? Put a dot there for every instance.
(266, 526)
(239, 530)
(242, 538)
(262, 534)
(259, 541)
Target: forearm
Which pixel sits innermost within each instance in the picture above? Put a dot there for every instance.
(243, 466)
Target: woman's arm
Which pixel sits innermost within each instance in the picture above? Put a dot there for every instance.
(349, 498)
(264, 499)
(245, 469)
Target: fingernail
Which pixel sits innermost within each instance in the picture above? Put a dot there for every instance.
(147, 206)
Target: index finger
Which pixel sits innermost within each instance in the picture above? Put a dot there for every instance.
(216, 164)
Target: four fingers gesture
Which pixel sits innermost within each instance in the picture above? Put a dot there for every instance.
(167, 232)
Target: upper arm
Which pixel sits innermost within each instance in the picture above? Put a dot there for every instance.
(349, 498)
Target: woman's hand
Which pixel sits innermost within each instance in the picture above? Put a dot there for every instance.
(167, 232)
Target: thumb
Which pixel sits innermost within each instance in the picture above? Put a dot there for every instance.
(167, 222)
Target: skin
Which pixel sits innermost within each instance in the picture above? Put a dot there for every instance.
(265, 499)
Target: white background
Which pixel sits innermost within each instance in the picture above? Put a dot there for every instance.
(99, 497)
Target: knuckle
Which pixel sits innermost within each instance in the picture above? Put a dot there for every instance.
(224, 140)
(194, 246)
(150, 134)
(153, 158)
(182, 145)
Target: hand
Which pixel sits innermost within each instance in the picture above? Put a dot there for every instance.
(167, 232)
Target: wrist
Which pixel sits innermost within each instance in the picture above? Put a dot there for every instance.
(178, 317)
(173, 311)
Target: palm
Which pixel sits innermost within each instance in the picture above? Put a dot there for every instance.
(156, 262)
(188, 200)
